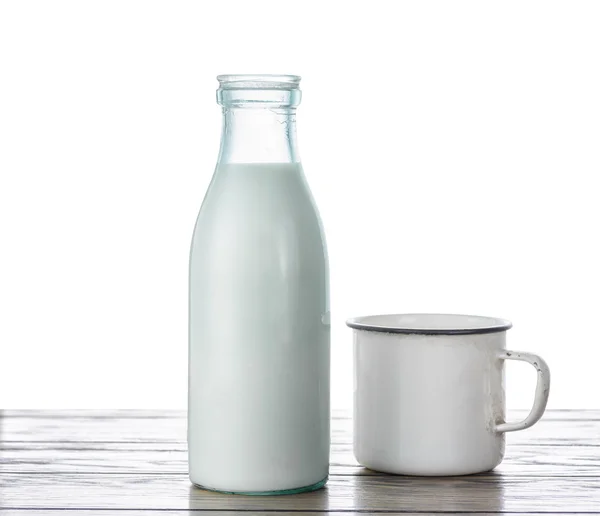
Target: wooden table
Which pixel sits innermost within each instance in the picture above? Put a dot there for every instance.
(134, 462)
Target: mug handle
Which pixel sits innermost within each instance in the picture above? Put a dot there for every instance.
(542, 389)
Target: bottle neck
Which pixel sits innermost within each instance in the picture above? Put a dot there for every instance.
(259, 135)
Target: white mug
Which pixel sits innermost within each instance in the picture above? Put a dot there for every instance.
(429, 393)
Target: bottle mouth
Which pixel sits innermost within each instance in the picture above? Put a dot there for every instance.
(258, 90)
(259, 82)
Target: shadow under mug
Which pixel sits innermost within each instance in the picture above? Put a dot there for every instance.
(429, 393)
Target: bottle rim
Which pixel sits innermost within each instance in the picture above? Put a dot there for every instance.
(259, 91)
(259, 82)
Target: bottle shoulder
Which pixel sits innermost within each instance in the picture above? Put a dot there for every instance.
(258, 193)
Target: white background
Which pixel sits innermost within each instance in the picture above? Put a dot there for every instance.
(452, 148)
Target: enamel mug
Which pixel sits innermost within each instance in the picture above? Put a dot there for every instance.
(429, 393)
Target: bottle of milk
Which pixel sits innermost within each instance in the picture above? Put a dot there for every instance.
(258, 418)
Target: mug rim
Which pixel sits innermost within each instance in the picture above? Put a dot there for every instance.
(468, 325)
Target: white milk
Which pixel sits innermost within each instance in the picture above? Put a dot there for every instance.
(259, 333)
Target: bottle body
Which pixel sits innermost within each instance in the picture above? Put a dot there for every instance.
(258, 418)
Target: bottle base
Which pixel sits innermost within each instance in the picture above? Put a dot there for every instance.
(305, 489)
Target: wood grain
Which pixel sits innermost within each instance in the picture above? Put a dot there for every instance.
(122, 462)
(555, 429)
(150, 512)
(374, 493)
(149, 458)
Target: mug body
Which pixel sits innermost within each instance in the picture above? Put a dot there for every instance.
(427, 403)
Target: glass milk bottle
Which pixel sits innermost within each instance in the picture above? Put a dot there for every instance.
(258, 418)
